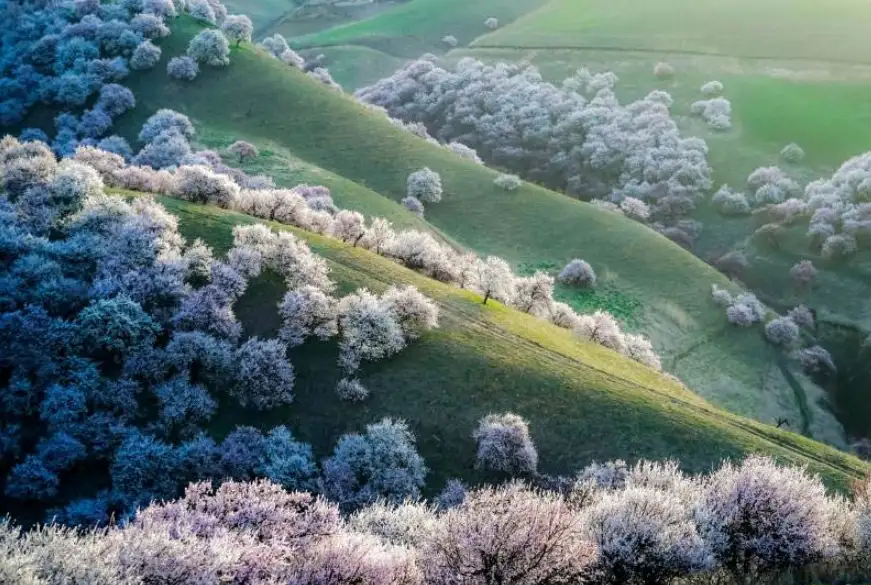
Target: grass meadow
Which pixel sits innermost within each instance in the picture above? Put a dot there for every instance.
(317, 135)
(583, 402)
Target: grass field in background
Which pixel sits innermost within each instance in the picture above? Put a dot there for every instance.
(775, 29)
(415, 27)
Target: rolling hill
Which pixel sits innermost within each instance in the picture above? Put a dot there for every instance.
(583, 402)
(413, 28)
(651, 284)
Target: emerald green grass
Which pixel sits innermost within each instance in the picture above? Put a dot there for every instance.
(320, 18)
(287, 170)
(356, 66)
(583, 402)
(664, 290)
(785, 29)
(263, 13)
(417, 26)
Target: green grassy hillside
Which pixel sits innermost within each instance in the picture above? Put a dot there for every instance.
(794, 70)
(415, 27)
(786, 29)
(653, 285)
(583, 402)
(263, 13)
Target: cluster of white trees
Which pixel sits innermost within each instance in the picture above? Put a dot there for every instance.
(209, 180)
(745, 310)
(62, 54)
(277, 47)
(750, 522)
(840, 209)
(837, 209)
(577, 138)
(504, 444)
(717, 112)
(118, 336)
(424, 186)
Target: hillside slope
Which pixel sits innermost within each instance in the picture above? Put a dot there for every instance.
(653, 285)
(415, 27)
(740, 28)
(583, 402)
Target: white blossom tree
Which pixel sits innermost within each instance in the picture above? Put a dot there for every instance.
(578, 273)
(759, 518)
(210, 47)
(238, 27)
(305, 312)
(508, 535)
(425, 185)
(264, 377)
(504, 444)
(369, 330)
(494, 279)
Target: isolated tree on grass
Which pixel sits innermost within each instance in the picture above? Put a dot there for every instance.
(635, 209)
(425, 185)
(352, 390)
(792, 153)
(238, 28)
(578, 273)
(243, 150)
(494, 279)
(210, 47)
(663, 71)
(504, 444)
(508, 182)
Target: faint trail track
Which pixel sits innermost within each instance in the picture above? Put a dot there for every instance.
(687, 52)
